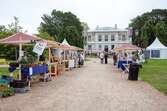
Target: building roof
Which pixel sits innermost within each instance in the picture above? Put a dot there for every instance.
(106, 29)
(156, 45)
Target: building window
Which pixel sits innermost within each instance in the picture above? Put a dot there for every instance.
(100, 47)
(89, 47)
(99, 38)
(112, 47)
(89, 38)
(119, 37)
(106, 37)
(112, 37)
(123, 38)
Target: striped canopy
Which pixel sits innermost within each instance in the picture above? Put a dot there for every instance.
(127, 47)
(19, 38)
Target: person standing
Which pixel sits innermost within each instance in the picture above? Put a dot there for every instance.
(101, 57)
(106, 58)
(82, 58)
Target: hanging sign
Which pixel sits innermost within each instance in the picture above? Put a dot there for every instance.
(39, 47)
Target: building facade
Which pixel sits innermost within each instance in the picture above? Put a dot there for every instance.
(102, 38)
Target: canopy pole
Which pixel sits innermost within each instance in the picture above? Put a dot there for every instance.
(20, 57)
(49, 55)
(64, 55)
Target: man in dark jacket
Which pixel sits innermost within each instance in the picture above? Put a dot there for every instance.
(106, 58)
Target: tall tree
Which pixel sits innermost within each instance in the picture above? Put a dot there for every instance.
(4, 32)
(147, 34)
(45, 35)
(14, 26)
(161, 31)
(145, 25)
(62, 25)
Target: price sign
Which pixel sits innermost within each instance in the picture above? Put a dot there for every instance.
(39, 47)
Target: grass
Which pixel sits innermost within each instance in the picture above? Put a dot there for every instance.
(155, 73)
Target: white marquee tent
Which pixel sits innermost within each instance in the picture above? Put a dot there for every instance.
(65, 42)
(157, 50)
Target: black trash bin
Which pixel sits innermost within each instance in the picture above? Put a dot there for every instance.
(133, 72)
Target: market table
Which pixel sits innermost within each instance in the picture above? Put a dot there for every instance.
(39, 69)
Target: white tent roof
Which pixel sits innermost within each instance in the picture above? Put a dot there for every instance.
(156, 45)
(65, 42)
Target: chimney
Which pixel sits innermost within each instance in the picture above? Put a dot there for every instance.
(116, 26)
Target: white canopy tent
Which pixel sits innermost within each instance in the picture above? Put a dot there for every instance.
(65, 42)
(157, 50)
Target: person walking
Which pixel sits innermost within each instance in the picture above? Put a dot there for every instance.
(115, 59)
(101, 57)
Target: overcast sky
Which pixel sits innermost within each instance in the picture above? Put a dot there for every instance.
(93, 12)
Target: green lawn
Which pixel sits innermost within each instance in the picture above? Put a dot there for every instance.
(155, 73)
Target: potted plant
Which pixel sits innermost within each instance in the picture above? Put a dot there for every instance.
(9, 91)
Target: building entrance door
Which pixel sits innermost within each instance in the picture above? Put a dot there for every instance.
(106, 48)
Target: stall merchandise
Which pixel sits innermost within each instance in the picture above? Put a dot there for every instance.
(54, 69)
(35, 70)
(122, 62)
(5, 89)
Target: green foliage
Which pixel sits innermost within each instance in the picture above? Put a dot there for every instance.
(29, 57)
(9, 91)
(149, 26)
(7, 52)
(45, 35)
(154, 72)
(161, 31)
(62, 25)
(14, 26)
(4, 32)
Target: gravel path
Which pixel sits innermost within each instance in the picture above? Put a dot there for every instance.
(94, 87)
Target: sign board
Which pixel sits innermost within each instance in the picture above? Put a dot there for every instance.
(39, 47)
(71, 63)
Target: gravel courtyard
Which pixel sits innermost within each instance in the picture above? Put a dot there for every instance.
(94, 87)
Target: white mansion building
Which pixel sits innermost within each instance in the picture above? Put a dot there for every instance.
(105, 37)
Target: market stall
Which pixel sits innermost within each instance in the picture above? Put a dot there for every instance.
(67, 59)
(125, 54)
(27, 67)
(19, 39)
(21, 83)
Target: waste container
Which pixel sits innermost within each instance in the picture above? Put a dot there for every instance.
(133, 71)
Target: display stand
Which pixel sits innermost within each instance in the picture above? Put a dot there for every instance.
(54, 69)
